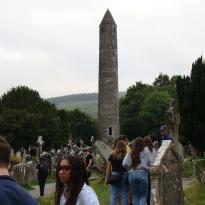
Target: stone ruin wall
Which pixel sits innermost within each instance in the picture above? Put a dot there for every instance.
(166, 176)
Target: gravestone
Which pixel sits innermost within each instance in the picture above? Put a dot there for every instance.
(39, 147)
(24, 173)
(18, 154)
(103, 149)
(12, 152)
(173, 120)
(166, 176)
(53, 166)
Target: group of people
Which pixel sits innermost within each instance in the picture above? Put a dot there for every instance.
(132, 163)
(128, 169)
(129, 166)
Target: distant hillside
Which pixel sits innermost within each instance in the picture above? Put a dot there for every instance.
(86, 102)
(74, 98)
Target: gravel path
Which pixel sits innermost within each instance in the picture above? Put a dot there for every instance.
(49, 189)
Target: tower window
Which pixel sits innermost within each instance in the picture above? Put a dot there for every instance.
(113, 53)
(101, 29)
(114, 29)
(110, 131)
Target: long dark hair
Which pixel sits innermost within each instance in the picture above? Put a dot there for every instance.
(137, 147)
(78, 176)
(149, 143)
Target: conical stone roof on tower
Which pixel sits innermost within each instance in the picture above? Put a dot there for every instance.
(108, 19)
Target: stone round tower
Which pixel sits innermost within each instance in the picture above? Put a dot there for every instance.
(108, 97)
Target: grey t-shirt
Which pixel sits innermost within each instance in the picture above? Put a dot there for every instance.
(145, 160)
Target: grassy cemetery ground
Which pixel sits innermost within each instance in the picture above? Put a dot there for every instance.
(102, 192)
(195, 192)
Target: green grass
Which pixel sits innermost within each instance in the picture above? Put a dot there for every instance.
(195, 194)
(50, 179)
(202, 163)
(188, 168)
(46, 200)
(101, 190)
(28, 187)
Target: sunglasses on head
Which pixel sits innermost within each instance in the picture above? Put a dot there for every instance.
(64, 168)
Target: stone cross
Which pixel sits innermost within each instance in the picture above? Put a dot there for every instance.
(39, 147)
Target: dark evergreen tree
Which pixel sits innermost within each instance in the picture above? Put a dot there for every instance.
(191, 100)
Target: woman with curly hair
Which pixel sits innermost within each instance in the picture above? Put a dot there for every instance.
(138, 162)
(72, 183)
(114, 167)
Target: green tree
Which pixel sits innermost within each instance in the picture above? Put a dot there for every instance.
(81, 125)
(130, 106)
(191, 100)
(162, 80)
(143, 109)
(164, 83)
(24, 115)
(153, 110)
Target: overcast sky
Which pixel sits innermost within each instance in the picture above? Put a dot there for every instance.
(52, 46)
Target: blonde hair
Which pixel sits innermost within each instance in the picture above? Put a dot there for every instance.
(116, 154)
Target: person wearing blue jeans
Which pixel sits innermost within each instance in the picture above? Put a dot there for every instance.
(119, 191)
(138, 181)
(138, 162)
(121, 187)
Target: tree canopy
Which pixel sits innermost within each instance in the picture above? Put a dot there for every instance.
(143, 109)
(191, 101)
(24, 116)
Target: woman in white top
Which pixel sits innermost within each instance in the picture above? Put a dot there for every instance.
(150, 146)
(72, 183)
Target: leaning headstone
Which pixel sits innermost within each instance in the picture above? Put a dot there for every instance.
(103, 149)
(12, 152)
(166, 176)
(59, 155)
(53, 165)
(18, 154)
(39, 147)
(24, 155)
(24, 173)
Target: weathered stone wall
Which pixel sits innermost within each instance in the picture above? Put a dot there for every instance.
(166, 176)
(24, 173)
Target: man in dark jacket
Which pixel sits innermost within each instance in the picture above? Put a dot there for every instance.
(164, 132)
(10, 192)
(42, 173)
